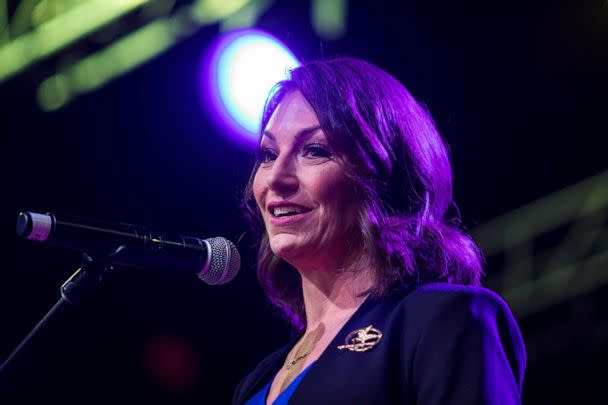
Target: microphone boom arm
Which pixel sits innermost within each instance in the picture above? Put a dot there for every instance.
(75, 290)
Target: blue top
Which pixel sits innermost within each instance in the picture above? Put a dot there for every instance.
(284, 397)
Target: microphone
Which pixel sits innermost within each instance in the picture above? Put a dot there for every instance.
(214, 261)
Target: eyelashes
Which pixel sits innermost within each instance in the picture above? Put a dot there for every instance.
(265, 155)
(317, 149)
(314, 150)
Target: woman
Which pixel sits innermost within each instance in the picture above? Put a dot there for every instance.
(352, 185)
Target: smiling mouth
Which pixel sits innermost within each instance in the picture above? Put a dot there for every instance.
(281, 212)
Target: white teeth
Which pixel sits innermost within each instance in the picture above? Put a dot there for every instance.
(279, 211)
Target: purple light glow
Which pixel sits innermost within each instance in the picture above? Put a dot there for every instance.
(237, 73)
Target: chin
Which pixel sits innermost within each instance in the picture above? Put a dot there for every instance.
(285, 246)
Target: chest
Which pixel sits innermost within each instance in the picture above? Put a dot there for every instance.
(286, 374)
(343, 376)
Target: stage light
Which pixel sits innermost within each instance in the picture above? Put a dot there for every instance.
(237, 73)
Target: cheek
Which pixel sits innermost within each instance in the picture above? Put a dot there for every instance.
(346, 206)
(258, 189)
(337, 193)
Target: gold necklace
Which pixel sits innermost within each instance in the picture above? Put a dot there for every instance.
(310, 341)
(307, 346)
(294, 361)
(293, 367)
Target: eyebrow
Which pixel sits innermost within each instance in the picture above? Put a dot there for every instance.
(301, 133)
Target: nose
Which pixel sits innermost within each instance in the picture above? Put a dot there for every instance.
(282, 178)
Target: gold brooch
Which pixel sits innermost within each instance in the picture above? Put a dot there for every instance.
(362, 340)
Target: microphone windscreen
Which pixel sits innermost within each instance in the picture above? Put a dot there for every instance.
(224, 263)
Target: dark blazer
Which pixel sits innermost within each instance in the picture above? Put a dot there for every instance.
(441, 344)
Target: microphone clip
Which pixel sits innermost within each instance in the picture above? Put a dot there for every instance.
(85, 280)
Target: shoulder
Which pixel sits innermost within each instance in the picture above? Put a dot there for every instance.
(453, 298)
(442, 309)
(412, 312)
(447, 309)
(468, 326)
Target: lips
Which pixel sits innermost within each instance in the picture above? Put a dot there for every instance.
(281, 209)
(286, 212)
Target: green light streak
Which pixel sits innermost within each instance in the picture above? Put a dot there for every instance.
(122, 56)
(53, 92)
(3, 22)
(564, 283)
(61, 31)
(129, 52)
(532, 281)
(21, 22)
(246, 16)
(545, 214)
(329, 18)
(210, 11)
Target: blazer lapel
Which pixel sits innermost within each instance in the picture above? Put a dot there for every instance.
(269, 369)
(371, 312)
(331, 355)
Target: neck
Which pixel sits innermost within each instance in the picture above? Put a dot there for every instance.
(331, 297)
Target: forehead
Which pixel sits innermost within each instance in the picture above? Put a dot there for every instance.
(292, 115)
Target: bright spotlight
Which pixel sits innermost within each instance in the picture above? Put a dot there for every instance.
(236, 76)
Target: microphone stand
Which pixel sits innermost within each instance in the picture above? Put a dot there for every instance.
(75, 290)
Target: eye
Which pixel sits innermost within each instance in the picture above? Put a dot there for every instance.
(265, 155)
(317, 150)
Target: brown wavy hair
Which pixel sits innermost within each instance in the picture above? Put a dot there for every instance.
(401, 170)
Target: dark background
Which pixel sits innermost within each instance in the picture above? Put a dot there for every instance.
(518, 91)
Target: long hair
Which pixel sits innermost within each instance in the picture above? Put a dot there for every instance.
(401, 170)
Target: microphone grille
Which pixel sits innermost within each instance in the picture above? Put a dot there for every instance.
(224, 262)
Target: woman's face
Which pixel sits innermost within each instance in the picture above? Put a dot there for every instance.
(305, 198)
